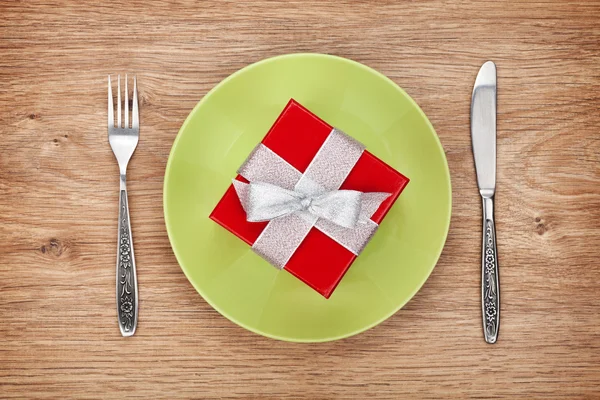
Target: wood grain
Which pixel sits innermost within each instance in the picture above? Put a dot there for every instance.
(58, 188)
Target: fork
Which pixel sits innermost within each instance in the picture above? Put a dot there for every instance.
(123, 141)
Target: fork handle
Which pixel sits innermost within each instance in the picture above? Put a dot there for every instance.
(490, 288)
(127, 290)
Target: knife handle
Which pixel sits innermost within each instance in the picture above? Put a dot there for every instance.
(490, 288)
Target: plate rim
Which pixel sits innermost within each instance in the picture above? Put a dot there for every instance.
(417, 287)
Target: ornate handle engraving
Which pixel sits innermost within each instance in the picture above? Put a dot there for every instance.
(490, 290)
(127, 293)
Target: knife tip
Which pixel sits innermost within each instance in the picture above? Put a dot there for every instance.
(486, 75)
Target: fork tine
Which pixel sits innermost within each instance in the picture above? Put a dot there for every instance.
(119, 102)
(126, 104)
(135, 118)
(111, 115)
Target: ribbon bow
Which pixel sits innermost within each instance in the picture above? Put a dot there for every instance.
(294, 202)
(345, 208)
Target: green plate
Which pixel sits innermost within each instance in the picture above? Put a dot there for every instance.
(222, 130)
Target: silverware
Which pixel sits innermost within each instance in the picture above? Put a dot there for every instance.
(483, 136)
(123, 141)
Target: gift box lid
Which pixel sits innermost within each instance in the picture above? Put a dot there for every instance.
(296, 136)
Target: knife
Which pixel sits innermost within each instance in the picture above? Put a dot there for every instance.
(483, 137)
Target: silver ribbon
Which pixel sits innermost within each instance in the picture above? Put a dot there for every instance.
(293, 202)
(345, 208)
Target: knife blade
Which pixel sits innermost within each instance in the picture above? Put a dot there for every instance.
(483, 128)
(483, 138)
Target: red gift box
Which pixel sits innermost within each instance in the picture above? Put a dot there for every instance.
(296, 136)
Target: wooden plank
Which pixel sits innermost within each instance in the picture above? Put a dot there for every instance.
(58, 335)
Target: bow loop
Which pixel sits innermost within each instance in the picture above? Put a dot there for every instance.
(341, 207)
(266, 202)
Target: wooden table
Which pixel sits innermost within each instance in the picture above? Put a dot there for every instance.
(58, 198)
